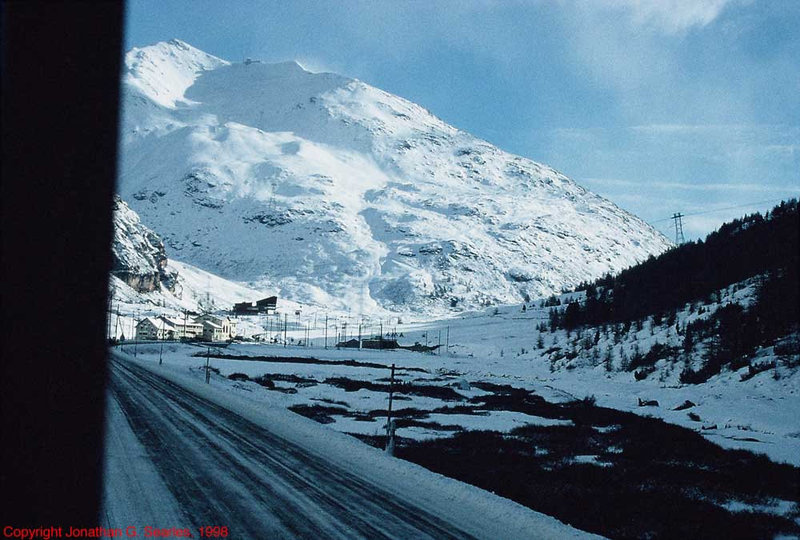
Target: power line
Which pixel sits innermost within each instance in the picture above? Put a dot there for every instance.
(679, 238)
(718, 209)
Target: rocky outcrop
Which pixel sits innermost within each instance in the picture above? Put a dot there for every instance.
(139, 258)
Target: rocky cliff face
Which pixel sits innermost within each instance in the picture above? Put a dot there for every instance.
(139, 257)
(334, 192)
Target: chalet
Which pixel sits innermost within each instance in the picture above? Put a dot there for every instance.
(226, 325)
(185, 328)
(213, 332)
(152, 329)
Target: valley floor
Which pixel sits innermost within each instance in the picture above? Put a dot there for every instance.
(186, 455)
(557, 441)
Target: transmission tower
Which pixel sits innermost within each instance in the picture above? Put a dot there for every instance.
(679, 238)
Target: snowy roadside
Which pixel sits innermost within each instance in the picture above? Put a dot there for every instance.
(477, 511)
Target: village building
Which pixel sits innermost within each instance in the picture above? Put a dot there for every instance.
(153, 329)
(369, 343)
(265, 305)
(157, 328)
(379, 343)
(186, 328)
(217, 328)
(349, 344)
(245, 308)
(213, 332)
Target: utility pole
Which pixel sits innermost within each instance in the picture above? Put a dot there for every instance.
(109, 309)
(447, 340)
(136, 339)
(679, 238)
(285, 322)
(326, 330)
(116, 324)
(389, 422)
(208, 358)
(439, 342)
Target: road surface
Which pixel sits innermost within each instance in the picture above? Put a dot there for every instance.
(204, 465)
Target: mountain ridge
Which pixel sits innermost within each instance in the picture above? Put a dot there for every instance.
(374, 203)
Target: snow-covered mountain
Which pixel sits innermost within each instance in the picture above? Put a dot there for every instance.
(338, 193)
(142, 278)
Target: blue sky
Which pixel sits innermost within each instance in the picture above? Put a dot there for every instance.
(660, 105)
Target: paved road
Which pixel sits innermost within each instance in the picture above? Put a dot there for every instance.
(222, 469)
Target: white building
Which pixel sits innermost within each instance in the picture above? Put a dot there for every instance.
(222, 327)
(213, 332)
(185, 328)
(152, 329)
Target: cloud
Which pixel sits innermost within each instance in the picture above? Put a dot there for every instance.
(739, 130)
(669, 16)
(704, 186)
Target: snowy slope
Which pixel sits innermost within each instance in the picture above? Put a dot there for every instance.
(142, 274)
(144, 282)
(337, 193)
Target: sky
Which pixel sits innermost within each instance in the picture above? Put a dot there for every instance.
(662, 106)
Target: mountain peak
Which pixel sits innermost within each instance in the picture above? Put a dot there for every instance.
(181, 44)
(341, 194)
(163, 72)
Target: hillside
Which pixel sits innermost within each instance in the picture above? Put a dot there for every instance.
(758, 254)
(337, 193)
(145, 282)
